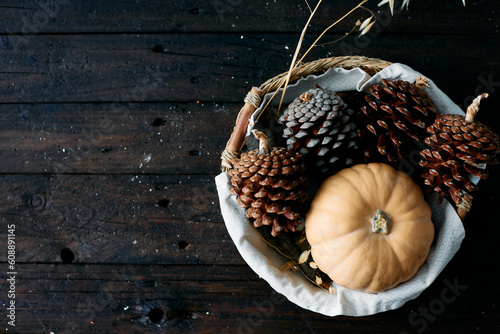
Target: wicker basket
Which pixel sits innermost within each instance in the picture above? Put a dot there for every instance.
(251, 244)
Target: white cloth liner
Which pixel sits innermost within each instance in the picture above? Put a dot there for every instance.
(267, 263)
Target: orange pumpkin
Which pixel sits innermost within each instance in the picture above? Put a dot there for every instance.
(369, 227)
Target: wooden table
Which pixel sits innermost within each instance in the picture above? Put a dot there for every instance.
(113, 116)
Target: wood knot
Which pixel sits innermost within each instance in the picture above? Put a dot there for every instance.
(156, 315)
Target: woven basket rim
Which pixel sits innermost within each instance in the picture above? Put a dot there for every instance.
(370, 65)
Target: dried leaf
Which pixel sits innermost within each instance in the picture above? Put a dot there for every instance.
(287, 266)
(286, 247)
(313, 265)
(365, 23)
(358, 23)
(366, 29)
(391, 5)
(319, 281)
(304, 256)
(407, 2)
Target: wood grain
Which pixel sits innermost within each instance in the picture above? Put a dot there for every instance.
(117, 219)
(219, 299)
(63, 16)
(122, 138)
(216, 67)
(112, 118)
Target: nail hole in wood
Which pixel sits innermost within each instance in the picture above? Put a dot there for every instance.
(37, 201)
(158, 49)
(163, 203)
(183, 244)
(67, 255)
(106, 150)
(158, 122)
(156, 315)
(195, 80)
(195, 153)
(194, 11)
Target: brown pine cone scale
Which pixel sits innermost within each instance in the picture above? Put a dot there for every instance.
(396, 114)
(271, 187)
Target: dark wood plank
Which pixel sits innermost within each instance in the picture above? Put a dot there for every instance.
(173, 138)
(63, 16)
(88, 68)
(116, 219)
(139, 68)
(223, 299)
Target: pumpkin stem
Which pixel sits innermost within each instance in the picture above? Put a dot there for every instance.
(381, 222)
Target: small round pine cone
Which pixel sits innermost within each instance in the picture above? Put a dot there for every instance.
(271, 185)
(458, 147)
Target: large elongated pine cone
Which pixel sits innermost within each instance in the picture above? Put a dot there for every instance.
(272, 188)
(397, 115)
(458, 147)
(319, 126)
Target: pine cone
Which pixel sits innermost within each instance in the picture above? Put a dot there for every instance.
(318, 125)
(458, 146)
(270, 184)
(397, 114)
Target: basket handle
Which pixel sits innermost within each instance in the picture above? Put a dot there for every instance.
(252, 102)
